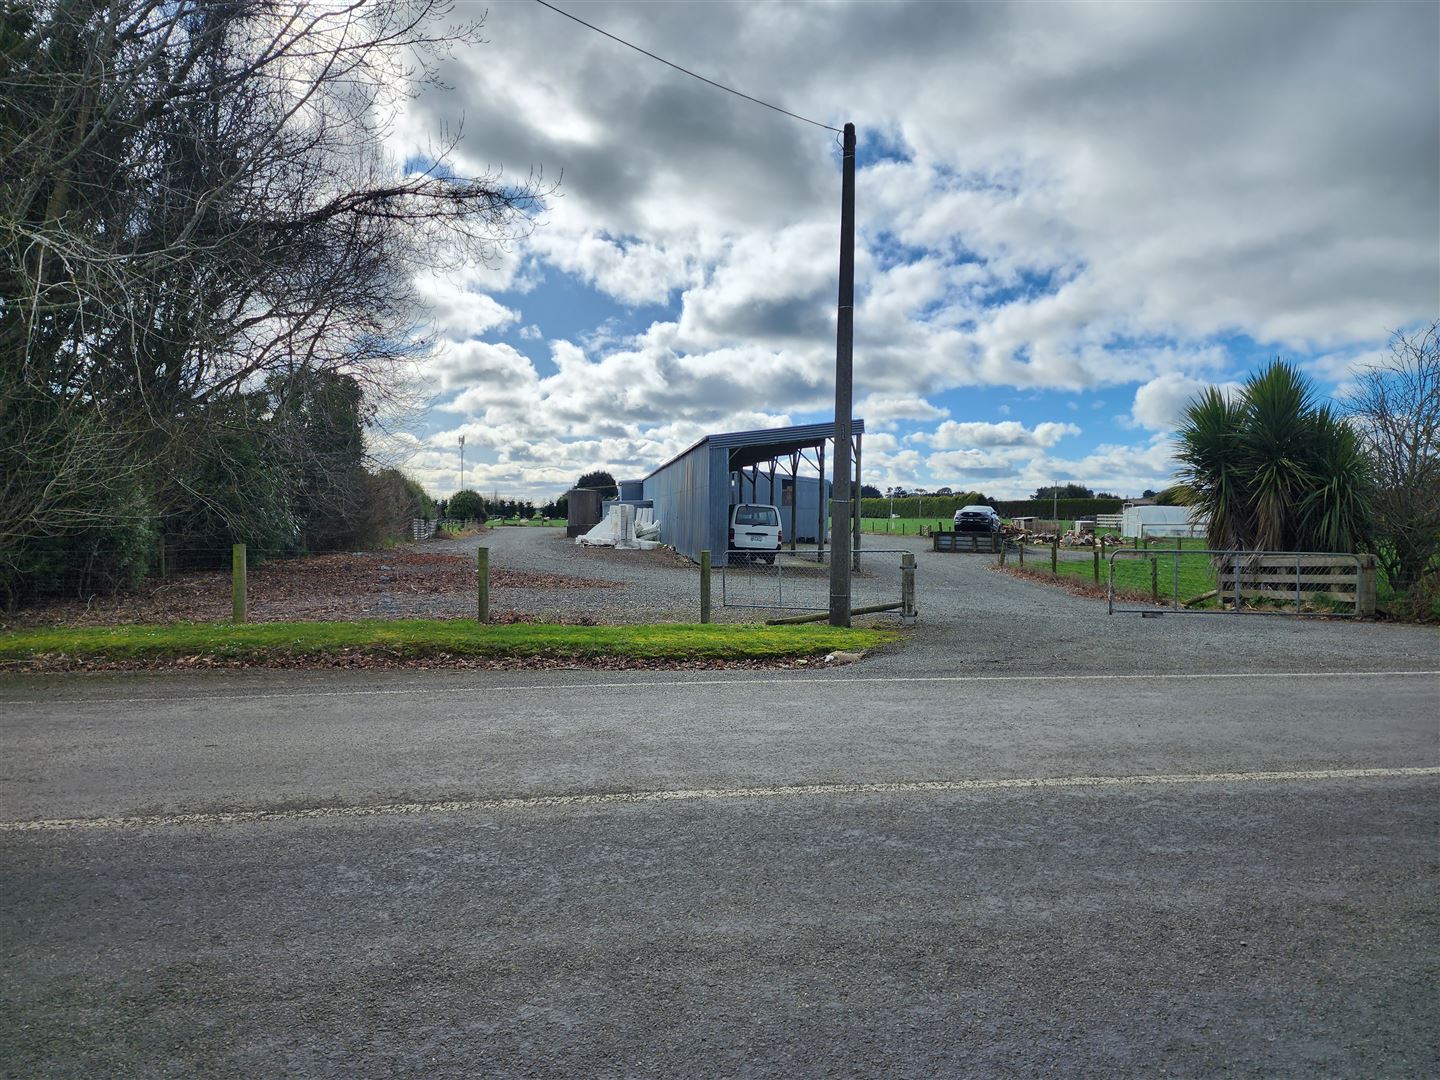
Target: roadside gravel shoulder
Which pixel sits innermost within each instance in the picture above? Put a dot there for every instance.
(977, 620)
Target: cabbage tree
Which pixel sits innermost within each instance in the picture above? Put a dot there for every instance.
(1272, 470)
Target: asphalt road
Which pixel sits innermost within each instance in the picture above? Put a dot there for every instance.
(850, 872)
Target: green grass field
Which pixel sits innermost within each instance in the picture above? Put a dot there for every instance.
(902, 526)
(1185, 575)
(1161, 576)
(417, 638)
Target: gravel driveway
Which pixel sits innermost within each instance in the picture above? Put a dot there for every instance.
(972, 619)
(658, 585)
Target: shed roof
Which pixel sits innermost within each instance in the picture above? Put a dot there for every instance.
(752, 447)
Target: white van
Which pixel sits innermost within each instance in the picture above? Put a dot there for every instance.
(756, 527)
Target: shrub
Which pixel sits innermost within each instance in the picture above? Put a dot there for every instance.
(466, 505)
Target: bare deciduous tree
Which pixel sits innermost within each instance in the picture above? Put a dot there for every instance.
(195, 198)
(1395, 404)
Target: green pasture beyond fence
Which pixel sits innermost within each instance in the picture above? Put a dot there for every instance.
(902, 526)
(910, 526)
(1163, 577)
(921, 507)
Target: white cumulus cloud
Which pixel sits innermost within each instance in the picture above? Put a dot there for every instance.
(955, 435)
(1160, 403)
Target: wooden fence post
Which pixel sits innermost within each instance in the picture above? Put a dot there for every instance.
(482, 584)
(237, 582)
(1022, 552)
(907, 586)
(1097, 560)
(1055, 556)
(1155, 578)
(705, 586)
(1365, 587)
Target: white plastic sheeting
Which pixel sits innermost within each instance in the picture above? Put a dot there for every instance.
(626, 527)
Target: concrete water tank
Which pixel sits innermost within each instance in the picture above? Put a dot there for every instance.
(584, 510)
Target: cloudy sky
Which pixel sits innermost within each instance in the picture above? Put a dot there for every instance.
(1071, 217)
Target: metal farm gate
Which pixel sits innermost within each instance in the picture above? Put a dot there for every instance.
(800, 581)
(1179, 580)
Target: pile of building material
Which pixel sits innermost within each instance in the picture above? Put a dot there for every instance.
(626, 527)
(1072, 539)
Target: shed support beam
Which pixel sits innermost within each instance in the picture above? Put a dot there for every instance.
(794, 495)
(855, 503)
(823, 503)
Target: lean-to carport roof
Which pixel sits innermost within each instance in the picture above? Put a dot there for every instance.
(752, 447)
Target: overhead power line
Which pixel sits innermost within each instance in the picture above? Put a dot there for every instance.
(685, 70)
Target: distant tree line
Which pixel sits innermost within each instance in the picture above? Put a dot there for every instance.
(469, 505)
(205, 260)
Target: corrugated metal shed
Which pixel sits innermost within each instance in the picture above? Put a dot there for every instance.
(692, 493)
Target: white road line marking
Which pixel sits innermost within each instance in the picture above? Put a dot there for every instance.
(623, 798)
(739, 680)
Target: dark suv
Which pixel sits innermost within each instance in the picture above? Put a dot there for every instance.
(977, 519)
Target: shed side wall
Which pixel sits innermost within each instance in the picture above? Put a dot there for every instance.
(718, 528)
(680, 491)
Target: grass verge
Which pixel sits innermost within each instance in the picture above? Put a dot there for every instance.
(417, 639)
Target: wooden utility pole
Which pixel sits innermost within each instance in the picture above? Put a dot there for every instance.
(844, 393)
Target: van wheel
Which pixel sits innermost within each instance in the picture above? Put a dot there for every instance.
(769, 560)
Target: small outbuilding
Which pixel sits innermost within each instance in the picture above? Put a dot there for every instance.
(692, 493)
(583, 512)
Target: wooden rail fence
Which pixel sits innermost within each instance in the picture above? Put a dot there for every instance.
(1349, 579)
(945, 540)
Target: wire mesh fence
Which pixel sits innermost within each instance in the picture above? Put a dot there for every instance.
(187, 582)
(1182, 574)
(173, 580)
(533, 574)
(1171, 576)
(800, 582)
(1292, 582)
